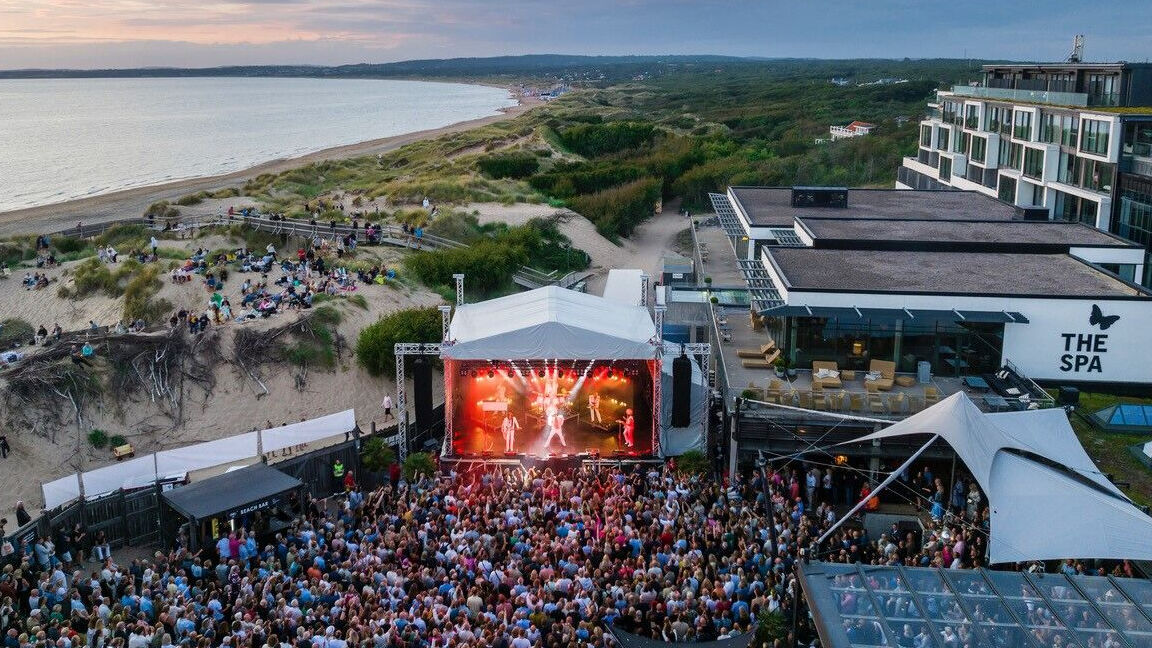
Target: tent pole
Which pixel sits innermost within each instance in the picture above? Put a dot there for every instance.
(891, 477)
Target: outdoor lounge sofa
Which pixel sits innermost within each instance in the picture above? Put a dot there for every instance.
(887, 371)
(832, 382)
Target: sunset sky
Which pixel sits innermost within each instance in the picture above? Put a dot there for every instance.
(195, 33)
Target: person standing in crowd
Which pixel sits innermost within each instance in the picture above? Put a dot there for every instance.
(337, 475)
(4, 447)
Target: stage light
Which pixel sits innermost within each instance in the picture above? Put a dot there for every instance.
(472, 373)
(491, 374)
(540, 373)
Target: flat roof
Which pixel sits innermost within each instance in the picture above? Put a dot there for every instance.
(948, 273)
(223, 494)
(772, 206)
(1022, 232)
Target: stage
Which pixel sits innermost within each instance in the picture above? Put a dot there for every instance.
(551, 408)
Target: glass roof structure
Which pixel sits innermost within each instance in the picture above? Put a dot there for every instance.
(786, 237)
(1124, 418)
(870, 606)
(729, 221)
(760, 287)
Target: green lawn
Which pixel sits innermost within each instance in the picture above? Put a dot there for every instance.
(1110, 451)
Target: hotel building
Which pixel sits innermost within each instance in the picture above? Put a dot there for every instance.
(1063, 141)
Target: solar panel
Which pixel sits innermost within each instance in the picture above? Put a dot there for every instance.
(729, 221)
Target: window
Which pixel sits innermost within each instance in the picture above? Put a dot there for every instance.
(1011, 154)
(1102, 90)
(1049, 128)
(1034, 163)
(1097, 176)
(1138, 139)
(1068, 170)
(1022, 129)
(952, 113)
(992, 118)
(960, 144)
(1007, 190)
(979, 146)
(1095, 139)
(971, 120)
(945, 168)
(1074, 208)
(1032, 194)
(926, 136)
(942, 139)
(1069, 130)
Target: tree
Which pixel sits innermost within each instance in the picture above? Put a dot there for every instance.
(418, 463)
(376, 455)
(376, 346)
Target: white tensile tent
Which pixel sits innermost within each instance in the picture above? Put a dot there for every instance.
(1048, 500)
(551, 322)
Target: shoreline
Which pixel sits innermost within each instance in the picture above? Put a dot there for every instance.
(131, 203)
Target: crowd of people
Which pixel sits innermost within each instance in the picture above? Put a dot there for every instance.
(501, 557)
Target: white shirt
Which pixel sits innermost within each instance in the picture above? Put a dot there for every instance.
(387, 404)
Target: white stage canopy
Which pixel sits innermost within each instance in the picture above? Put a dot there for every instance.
(550, 322)
(1048, 500)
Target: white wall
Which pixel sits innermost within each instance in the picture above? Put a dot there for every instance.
(1038, 348)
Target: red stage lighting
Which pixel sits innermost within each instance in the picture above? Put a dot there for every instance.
(491, 374)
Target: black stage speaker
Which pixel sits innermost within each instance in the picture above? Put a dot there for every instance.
(681, 392)
(422, 393)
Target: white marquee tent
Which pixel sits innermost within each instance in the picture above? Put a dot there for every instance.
(1048, 500)
(550, 322)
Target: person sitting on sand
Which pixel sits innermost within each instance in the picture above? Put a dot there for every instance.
(41, 335)
(57, 331)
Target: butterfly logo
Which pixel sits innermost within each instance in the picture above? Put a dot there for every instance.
(1098, 317)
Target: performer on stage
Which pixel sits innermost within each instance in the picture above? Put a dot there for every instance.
(629, 427)
(594, 408)
(509, 427)
(555, 428)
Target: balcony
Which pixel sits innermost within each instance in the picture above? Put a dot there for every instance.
(1077, 99)
(1136, 164)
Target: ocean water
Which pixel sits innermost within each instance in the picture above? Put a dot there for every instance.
(62, 139)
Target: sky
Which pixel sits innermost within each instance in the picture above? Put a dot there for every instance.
(205, 33)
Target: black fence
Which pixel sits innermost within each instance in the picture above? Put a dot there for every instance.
(133, 517)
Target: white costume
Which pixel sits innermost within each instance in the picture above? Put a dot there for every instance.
(594, 408)
(555, 428)
(509, 427)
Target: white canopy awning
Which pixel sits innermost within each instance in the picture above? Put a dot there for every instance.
(1049, 501)
(550, 322)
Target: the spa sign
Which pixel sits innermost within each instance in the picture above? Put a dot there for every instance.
(1084, 352)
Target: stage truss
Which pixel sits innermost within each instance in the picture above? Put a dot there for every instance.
(403, 350)
(700, 350)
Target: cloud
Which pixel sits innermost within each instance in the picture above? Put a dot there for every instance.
(203, 32)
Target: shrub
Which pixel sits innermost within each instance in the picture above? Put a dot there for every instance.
(119, 235)
(591, 140)
(488, 264)
(617, 211)
(375, 347)
(93, 276)
(15, 331)
(376, 455)
(508, 165)
(693, 462)
(359, 300)
(67, 244)
(116, 441)
(161, 209)
(418, 463)
(139, 293)
(98, 438)
(191, 199)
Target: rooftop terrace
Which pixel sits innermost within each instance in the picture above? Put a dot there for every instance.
(772, 206)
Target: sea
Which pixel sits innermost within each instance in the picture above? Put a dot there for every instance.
(62, 139)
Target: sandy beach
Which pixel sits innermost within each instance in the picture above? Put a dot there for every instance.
(131, 203)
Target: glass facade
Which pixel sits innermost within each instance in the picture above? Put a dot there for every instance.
(1095, 137)
(1070, 207)
(979, 148)
(1034, 163)
(1022, 125)
(1007, 189)
(926, 136)
(1134, 217)
(945, 168)
(942, 138)
(952, 348)
(971, 117)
